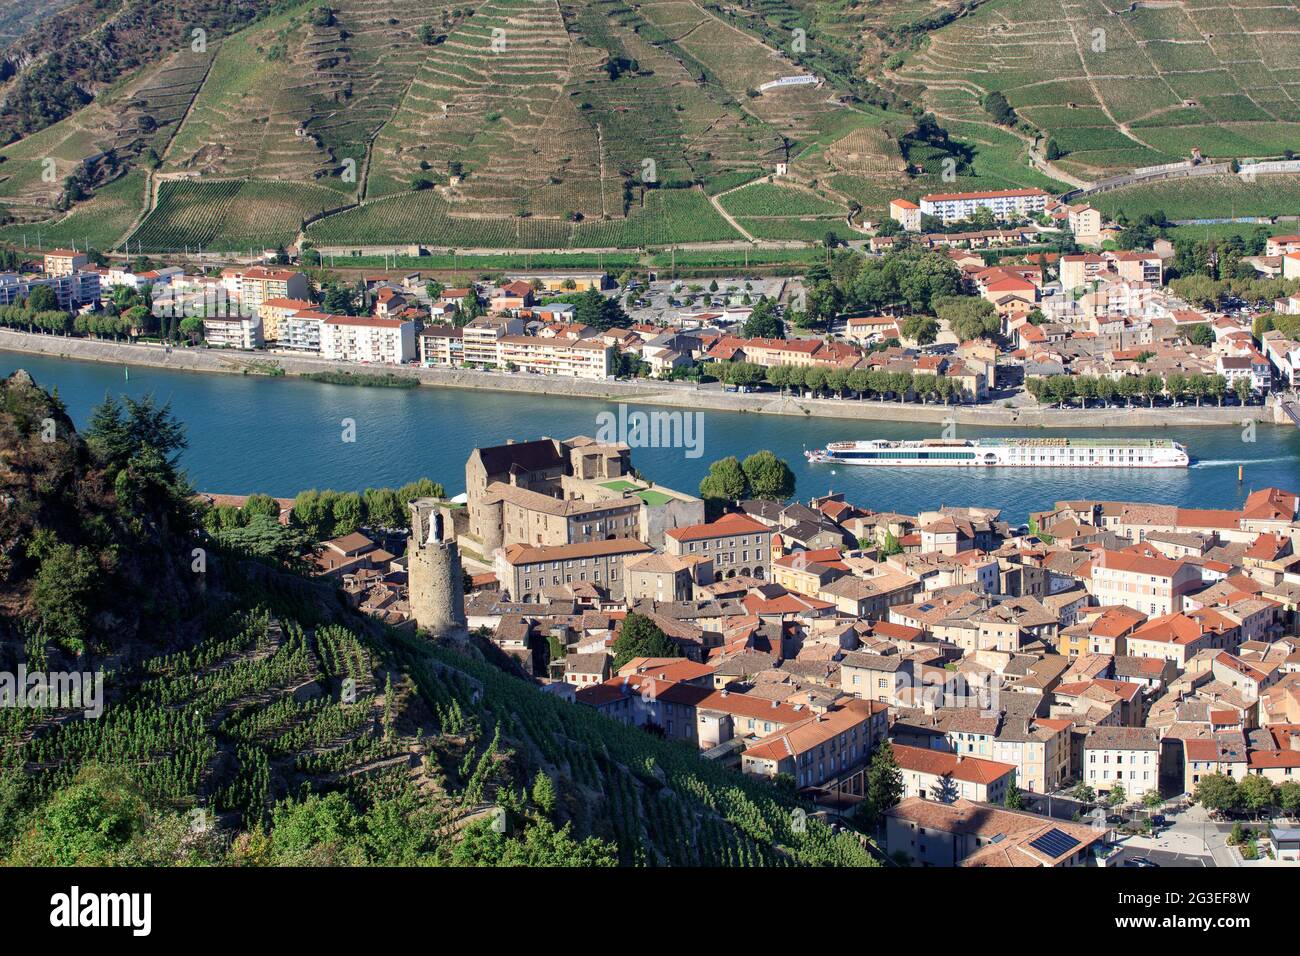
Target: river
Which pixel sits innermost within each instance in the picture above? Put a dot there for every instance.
(280, 435)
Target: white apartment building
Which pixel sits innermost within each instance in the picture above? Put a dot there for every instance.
(233, 331)
(274, 312)
(72, 291)
(348, 338)
(1128, 757)
(1002, 203)
(301, 330)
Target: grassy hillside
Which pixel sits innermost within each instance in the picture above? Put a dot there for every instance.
(249, 717)
(1117, 85)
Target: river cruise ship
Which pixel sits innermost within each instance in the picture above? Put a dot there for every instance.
(1007, 453)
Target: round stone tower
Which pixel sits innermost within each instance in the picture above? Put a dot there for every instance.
(434, 578)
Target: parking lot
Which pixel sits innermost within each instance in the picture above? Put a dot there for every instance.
(1163, 858)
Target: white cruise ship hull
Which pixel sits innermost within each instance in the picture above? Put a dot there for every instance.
(1005, 453)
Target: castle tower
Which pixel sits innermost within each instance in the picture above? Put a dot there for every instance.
(434, 576)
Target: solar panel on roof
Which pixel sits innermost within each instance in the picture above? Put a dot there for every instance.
(1054, 843)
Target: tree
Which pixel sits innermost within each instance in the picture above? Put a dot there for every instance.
(64, 588)
(1288, 796)
(641, 637)
(470, 308)
(763, 322)
(1217, 792)
(1014, 799)
(427, 35)
(42, 299)
(884, 783)
(592, 308)
(921, 329)
(544, 793)
(1152, 799)
(1200, 335)
(768, 477)
(726, 481)
(348, 513)
(1256, 792)
(192, 328)
(1243, 389)
(1151, 387)
(968, 317)
(1083, 793)
(384, 509)
(1117, 796)
(91, 822)
(264, 537)
(996, 105)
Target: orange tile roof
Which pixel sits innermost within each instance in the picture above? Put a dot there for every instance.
(728, 524)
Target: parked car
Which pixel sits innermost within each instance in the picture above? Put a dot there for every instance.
(1140, 861)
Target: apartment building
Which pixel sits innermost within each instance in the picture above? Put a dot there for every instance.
(581, 358)
(64, 262)
(254, 285)
(1127, 757)
(72, 290)
(524, 516)
(1038, 747)
(821, 748)
(523, 572)
(480, 339)
(274, 312)
(878, 677)
(945, 777)
(737, 545)
(871, 329)
(348, 338)
(301, 331)
(441, 346)
(233, 331)
(906, 213)
(1002, 203)
(1173, 637)
(1154, 586)
(1085, 223)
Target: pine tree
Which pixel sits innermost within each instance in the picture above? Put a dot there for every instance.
(544, 793)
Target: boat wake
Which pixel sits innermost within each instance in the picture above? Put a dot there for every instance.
(1228, 462)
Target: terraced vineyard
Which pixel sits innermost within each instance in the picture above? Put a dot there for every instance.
(1209, 197)
(1117, 84)
(546, 123)
(100, 222)
(298, 95)
(137, 115)
(668, 215)
(234, 215)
